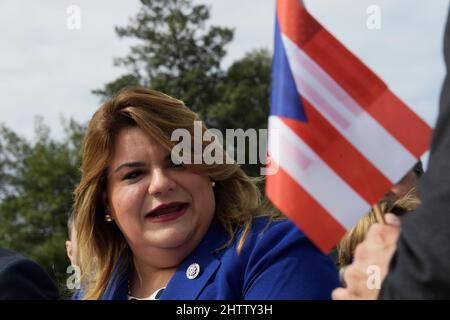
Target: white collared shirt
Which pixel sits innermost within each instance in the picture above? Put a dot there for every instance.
(154, 296)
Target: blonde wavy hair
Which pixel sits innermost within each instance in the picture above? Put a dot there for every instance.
(101, 244)
(356, 235)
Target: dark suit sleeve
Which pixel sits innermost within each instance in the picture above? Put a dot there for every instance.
(23, 279)
(420, 268)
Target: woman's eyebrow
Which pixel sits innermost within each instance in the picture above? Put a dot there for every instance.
(129, 165)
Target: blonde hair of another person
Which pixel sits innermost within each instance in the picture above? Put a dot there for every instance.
(347, 245)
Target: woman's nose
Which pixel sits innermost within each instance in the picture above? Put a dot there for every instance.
(160, 183)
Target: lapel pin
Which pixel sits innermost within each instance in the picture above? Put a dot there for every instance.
(193, 271)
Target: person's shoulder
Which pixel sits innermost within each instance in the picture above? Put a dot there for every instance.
(266, 228)
(264, 223)
(280, 262)
(22, 278)
(267, 234)
(9, 258)
(4, 253)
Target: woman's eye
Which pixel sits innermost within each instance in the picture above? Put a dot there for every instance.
(132, 175)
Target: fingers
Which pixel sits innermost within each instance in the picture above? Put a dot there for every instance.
(358, 288)
(376, 234)
(356, 278)
(372, 257)
(382, 235)
(343, 294)
(392, 220)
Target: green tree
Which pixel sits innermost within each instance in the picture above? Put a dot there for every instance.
(37, 179)
(244, 99)
(177, 52)
(244, 93)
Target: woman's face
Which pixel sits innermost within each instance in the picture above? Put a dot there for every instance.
(163, 210)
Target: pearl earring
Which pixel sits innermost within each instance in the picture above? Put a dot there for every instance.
(108, 217)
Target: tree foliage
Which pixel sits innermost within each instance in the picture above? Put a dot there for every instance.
(177, 52)
(36, 184)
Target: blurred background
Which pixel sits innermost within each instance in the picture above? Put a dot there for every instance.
(60, 59)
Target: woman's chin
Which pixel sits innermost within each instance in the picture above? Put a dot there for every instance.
(169, 238)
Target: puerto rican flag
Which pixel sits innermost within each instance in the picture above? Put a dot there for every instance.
(338, 137)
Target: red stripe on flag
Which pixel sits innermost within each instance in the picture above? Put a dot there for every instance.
(388, 107)
(353, 76)
(309, 216)
(340, 155)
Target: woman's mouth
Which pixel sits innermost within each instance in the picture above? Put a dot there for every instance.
(167, 212)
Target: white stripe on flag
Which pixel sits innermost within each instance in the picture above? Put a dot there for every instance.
(384, 151)
(294, 156)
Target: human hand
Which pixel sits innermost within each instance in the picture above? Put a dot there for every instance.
(371, 262)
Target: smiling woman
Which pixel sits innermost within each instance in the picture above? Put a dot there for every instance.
(198, 231)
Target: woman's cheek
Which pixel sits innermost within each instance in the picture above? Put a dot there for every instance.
(127, 203)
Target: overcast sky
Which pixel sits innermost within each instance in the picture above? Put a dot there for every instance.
(48, 70)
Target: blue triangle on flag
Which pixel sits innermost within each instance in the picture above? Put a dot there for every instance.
(284, 100)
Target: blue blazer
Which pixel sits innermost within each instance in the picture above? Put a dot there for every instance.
(276, 262)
